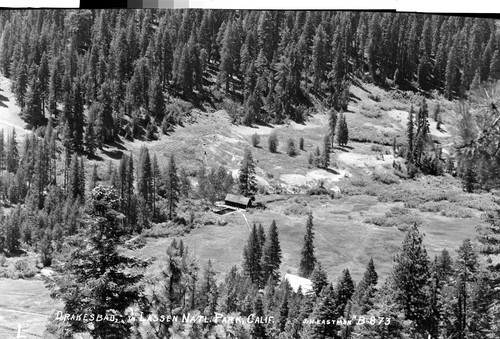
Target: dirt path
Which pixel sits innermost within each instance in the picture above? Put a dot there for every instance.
(246, 220)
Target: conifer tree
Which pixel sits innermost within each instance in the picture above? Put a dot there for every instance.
(271, 256)
(184, 183)
(12, 153)
(4, 50)
(82, 178)
(371, 275)
(2, 151)
(252, 255)
(308, 259)
(32, 111)
(364, 292)
(332, 124)
(262, 237)
(258, 330)
(156, 99)
(155, 175)
(412, 278)
(43, 75)
(12, 231)
(208, 293)
(97, 265)
(325, 158)
(90, 141)
(443, 265)
(272, 142)
(318, 58)
(172, 186)
(78, 119)
(247, 181)
(344, 290)
(20, 81)
(144, 177)
(94, 178)
(343, 131)
(319, 279)
(410, 135)
(325, 309)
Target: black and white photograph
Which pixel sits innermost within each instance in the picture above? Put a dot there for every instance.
(249, 174)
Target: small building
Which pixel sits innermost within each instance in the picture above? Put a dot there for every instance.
(238, 201)
(297, 282)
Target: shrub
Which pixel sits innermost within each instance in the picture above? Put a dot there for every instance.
(310, 159)
(401, 221)
(321, 191)
(447, 209)
(3, 260)
(233, 109)
(376, 148)
(358, 182)
(370, 113)
(397, 211)
(386, 178)
(290, 148)
(25, 268)
(375, 98)
(273, 142)
(255, 140)
(297, 209)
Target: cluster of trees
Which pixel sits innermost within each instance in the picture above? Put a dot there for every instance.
(37, 178)
(444, 297)
(420, 151)
(102, 73)
(262, 256)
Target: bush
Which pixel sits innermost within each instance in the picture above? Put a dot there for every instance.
(310, 159)
(176, 111)
(370, 113)
(273, 142)
(358, 182)
(321, 191)
(386, 178)
(255, 140)
(25, 268)
(376, 148)
(447, 209)
(297, 209)
(374, 97)
(290, 148)
(402, 222)
(397, 211)
(233, 109)
(3, 260)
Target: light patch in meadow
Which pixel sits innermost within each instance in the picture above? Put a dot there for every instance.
(365, 160)
(313, 177)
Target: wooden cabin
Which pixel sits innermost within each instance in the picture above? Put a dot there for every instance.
(238, 201)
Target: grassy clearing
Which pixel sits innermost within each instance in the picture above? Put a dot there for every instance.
(26, 303)
(343, 238)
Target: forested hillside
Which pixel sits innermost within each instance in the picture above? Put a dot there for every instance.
(265, 66)
(344, 127)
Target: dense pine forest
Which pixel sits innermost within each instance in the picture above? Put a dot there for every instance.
(89, 79)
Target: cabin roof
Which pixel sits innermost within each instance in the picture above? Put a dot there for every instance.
(237, 199)
(295, 282)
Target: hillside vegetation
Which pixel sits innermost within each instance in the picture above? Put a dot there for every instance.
(120, 132)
